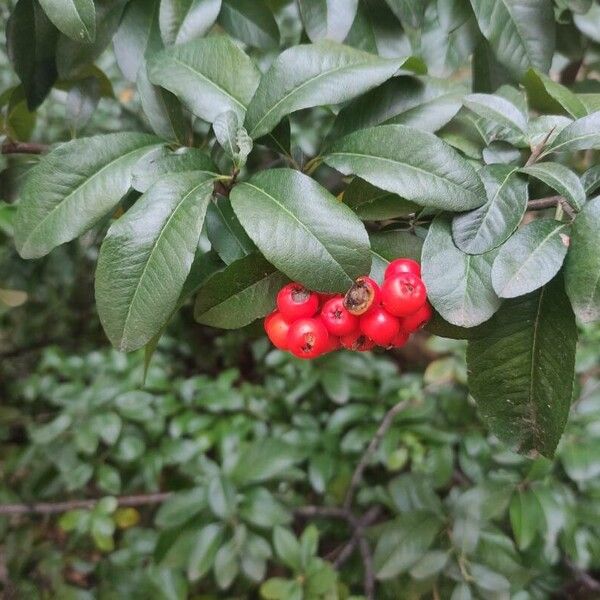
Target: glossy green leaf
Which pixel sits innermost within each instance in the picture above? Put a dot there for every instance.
(582, 266)
(314, 75)
(222, 497)
(210, 76)
(250, 21)
(547, 95)
(423, 102)
(327, 19)
(459, 285)
(498, 110)
(521, 369)
(146, 257)
(591, 180)
(530, 258)
(431, 564)
(242, 292)
(560, 179)
(287, 548)
(372, 204)
(403, 542)
(228, 238)
(526, 517)
(204, 551)
(82, 101)
(414, 164)
(182, 21)
(490, 225)
(31, 44)
(138, 36)
(75, 18)
(288, 216)
(181, 507)
(226, 565)
(582, 134)
(391, 244)
(520, 32)
(233, 138)
(410, 12)
(163, 110)
(71, 188)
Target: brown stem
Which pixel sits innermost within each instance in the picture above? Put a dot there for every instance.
(536, 152)
(23, 148)
(52, 508)
(551, 202)
(386, 423)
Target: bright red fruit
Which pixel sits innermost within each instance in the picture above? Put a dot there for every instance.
(418, 319)
(379, 325)
(294, 301)
(400, 339)
(336, 318)
(277, 329)
(363, 294)
(357, 341)
(333, 343)
(403, 294)
(403, 265)
(307, 338)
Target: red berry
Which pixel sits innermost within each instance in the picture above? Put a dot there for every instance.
(333, 344)
(357, 341)
(294, 301)
(307, 338)
(418, 319)
(403, 265)
(363, 294)
(336, 318)
(400, 339)
(403, 294)
(379, 325)
(277, 329)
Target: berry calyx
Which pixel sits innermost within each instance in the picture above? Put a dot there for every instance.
(400, 339)
(417, 320)
(336, 318)
(277, 329)
(403, 294)
(357, 341)
(307, 338)
(294, 301)
(363, 294)
(379, 325)
(402, 265)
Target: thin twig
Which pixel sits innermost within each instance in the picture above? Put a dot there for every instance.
(367, 558)
(386, 423)
(52, 508)
(23, 148)
(536, 152)
(551, 202)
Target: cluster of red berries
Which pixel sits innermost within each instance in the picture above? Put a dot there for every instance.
(309, 324)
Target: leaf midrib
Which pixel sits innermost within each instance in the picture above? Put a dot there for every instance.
(151, 254)
(534, 336)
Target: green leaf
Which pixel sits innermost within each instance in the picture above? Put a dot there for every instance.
(250, 21)
(526, 517)
(278, 588)
(490, 225)
(426, 103)
(162, 109)
(330, 19)
(82, 101)
(260, 508)
(530, 258)
(403, 542)
(222, 497)
(314, 75)
(489, 582)
(108, 426)
(498, 110)
(146, 257)
(582, 134)
(74, 186)
(234, 139)
(242, 292)
(521, 369)
(205, 549)
(582, 266)
(410, 12)
(226, 565)
(210, 76)
(461, 591)
(287, 548)
(20, 121)
(108, 479)
(390, 244)
(182, 21)
(31, 44)
(44, 434)
(181, 507)
(159, 162)
(547, 95)
(459, 285)
(560, 179)
(288, 216)
(591, 180)
(75, 18)
(414, 164)
(228, 238)
(520, 32)
(431, 564)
